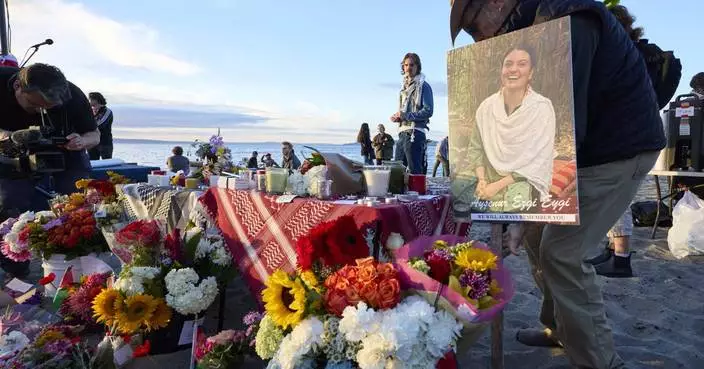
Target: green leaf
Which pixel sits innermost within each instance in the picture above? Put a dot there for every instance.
(192, 246)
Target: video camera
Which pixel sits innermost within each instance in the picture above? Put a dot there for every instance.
(32, 151)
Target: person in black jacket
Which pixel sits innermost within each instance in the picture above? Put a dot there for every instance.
(618, 136)
(365, 141)
(103, 117)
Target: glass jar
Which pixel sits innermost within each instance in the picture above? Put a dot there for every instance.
(377, 179)
(397, 181)
(324, 189)
(276, 180)
(261, 180)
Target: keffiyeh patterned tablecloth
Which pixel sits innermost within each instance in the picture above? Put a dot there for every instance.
(262, 233)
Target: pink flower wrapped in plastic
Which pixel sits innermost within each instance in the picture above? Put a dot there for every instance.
(477, 288)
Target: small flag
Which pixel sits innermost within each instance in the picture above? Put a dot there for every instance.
(64, 285)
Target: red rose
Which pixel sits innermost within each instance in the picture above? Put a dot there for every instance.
(335, 302)
(440, 268)
(173, 244)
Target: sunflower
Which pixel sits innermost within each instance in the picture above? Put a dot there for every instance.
(284, 299)
(478, 260)
(106, 304)
(137, 310)
(81, 184)
(161, 316)
(311, 281)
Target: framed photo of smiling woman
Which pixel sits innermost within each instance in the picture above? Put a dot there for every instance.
(512, 144)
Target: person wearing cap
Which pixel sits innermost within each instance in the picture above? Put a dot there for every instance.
(618, 136)
(32, 96)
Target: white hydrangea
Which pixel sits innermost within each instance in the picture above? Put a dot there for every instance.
(359, 322)
(187, 297)
(304, 338)
(132, 282)
(395, 241)
(221, 256)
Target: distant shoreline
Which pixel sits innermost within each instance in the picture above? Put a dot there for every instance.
(188, 143)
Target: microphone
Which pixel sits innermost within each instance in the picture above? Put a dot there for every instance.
(48, 41)
(24, 137)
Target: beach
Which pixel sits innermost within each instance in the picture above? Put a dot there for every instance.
(657, 317)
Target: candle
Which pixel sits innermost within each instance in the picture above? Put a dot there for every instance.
(416, 182)
(192, 183)
(377, 179)
(276, 180)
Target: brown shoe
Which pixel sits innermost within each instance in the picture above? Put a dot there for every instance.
(537, 338)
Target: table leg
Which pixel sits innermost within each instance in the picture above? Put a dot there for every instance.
(657, 204)
(497, 326)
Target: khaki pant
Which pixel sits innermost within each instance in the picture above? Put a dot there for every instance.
(572, 301)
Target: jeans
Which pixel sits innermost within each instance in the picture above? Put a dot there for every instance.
(412, 154)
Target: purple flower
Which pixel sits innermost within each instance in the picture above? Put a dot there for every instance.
(58, 347)
(54, 223)
(439, 253)
(252, 317)
(6, 226)
(478, 284)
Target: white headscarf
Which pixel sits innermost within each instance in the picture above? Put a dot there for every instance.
(522, 142)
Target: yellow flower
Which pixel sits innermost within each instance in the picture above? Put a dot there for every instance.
(478, 260)
(137, 310)
(106, 304)
(81, 184)
(284, 299)
(494, 289)
(440, 244)
(487, 302)
(309, 278)
(47, 337)
(161, 316)
(77, 199)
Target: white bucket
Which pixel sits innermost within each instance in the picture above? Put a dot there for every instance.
(57, 264)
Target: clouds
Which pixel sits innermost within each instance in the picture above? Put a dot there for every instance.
(92, 40)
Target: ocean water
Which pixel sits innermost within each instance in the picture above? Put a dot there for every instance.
(155, 153)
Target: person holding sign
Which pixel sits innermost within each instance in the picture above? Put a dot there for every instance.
(513, 143)
(618, 136)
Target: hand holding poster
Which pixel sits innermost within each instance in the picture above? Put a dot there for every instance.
(512, 143)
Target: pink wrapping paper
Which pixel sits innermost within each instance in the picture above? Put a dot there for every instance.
(450, 300)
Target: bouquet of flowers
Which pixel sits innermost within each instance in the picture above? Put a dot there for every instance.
(464, 278)
(56, 346)
(138, 242)
(337, 310)
(229, 348)
(215, 155)
(78, 305)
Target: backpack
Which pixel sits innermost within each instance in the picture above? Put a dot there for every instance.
(664, 68)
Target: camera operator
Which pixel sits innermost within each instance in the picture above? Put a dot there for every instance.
(40, 95)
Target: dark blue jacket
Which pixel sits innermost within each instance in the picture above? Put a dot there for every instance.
(622, 118)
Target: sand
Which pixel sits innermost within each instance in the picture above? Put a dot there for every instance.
(657, 317)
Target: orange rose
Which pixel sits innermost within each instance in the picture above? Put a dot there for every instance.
(331, 281)
(365, 261)
(366, 273)
(352, 296)
(389, 293)
(335, 302)
(370, 295)
(386, 270)
(349, 273)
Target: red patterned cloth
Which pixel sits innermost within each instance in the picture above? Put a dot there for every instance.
(262, 234)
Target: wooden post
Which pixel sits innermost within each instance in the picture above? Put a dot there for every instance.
(497, 326)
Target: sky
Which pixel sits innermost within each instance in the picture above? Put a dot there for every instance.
(271, 70)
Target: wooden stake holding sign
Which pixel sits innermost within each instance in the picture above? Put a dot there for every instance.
(497, 326)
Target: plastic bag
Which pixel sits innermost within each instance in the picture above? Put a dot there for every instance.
(686, 237)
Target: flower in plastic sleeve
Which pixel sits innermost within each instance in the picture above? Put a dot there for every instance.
(395, 241)
(440, 267)
(13, 342)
